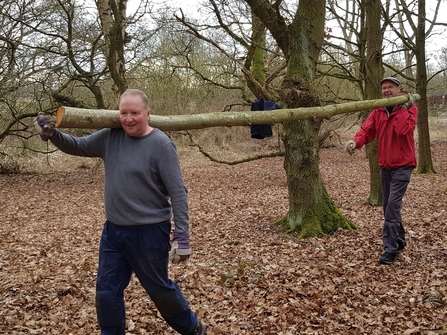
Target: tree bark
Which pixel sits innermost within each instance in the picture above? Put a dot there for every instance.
(311, 211)
(112, 15)
(425, 164)
(256, 58)
(71, 117)
(373, 72)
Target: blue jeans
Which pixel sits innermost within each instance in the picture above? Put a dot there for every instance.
(394, 186)
(143, 250)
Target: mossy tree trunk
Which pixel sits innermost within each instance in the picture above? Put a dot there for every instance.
(311, 211)
(255, 60)
(372, 69)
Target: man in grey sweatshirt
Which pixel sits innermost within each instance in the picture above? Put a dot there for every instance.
(143, 189)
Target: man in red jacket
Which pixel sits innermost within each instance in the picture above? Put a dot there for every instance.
(394, 128)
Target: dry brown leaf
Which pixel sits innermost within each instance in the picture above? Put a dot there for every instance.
(52, 221)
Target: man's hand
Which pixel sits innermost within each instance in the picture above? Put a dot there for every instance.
(350, 146)
(410, 102)
(180, 248)
(44, 125)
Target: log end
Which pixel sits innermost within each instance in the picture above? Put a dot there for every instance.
(59, 115)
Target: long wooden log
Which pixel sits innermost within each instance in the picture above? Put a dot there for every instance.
(70, 117)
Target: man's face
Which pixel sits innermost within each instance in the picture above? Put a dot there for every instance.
(390, 89)
(134, 116)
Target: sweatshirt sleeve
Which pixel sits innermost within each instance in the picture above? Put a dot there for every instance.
(172, 178)
(88, 146)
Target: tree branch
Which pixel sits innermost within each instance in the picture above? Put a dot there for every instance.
(244, 160)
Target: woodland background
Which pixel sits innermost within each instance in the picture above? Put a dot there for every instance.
(246, 276)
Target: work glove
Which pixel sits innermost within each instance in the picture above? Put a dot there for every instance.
(44, 125)
(410, 102)
(350, 146)
(180, 248)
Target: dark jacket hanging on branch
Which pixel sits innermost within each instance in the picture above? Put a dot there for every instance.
(260, 131)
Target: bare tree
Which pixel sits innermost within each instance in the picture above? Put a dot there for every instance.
(241, 37)
(371, 66)
(409, 24)
(361, 43)
(21, 71)
(112, 15)
(54, 53)
(425, 163)
(295, 35)
(311, 211)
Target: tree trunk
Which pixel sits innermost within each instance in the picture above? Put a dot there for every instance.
(408, 52)
(72, 117)
(311, 210)
(373, 70)
(113, 23)
(255, 60)
(425, 164)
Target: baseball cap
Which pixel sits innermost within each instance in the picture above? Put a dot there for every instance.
(392, 79)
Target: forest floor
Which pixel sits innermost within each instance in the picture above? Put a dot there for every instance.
(245, 275)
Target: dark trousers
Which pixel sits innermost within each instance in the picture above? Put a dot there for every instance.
(144, 251)
(394, 186)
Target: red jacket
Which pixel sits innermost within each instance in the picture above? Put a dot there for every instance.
(395, 133)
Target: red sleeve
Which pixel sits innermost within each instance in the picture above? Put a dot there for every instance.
(406, 120)
(367, 131)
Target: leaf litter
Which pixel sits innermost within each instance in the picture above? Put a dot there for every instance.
(245, 276)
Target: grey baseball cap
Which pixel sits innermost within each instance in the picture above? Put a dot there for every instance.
(392, 79)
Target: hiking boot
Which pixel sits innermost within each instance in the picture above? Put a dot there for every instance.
(387, 258)
(199, 330)
(401, 246)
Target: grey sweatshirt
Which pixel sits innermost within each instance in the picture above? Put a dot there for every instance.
(143, 183)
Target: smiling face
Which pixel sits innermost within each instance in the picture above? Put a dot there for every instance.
(390, 89)
(134, 114)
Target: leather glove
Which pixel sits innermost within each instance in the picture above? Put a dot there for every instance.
(410, 102)
(350, 146)
(180, 248)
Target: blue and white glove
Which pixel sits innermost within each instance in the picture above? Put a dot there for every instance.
(44, 125)
(180, 248)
